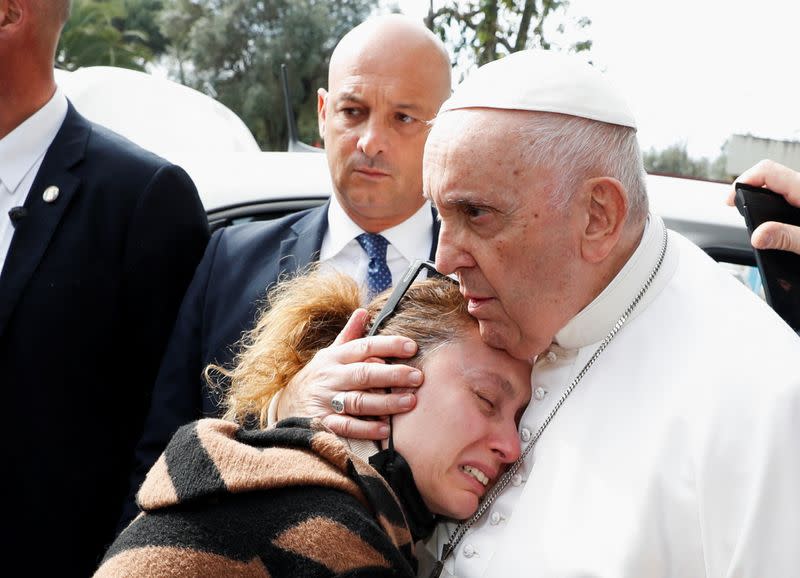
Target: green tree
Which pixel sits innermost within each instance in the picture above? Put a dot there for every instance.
(675, 160)
(176, 22)
(233, 49)
(96, 34)
(483, 30)
(143, 16)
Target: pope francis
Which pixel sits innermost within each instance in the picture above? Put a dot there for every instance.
(662, 435)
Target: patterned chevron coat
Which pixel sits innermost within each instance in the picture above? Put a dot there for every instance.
(288, 501)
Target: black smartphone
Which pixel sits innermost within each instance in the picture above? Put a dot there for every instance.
(780, 270)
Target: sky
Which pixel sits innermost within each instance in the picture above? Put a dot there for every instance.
(696, 71)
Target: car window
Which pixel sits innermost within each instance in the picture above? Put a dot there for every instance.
(748, 275)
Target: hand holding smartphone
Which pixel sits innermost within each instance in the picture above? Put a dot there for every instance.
(780, 270)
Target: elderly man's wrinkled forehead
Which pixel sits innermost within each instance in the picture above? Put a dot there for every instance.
(463, 121)
(477, 129)
(469, 145)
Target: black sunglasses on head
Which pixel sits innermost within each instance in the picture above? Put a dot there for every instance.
(388, 462)
(401, 289)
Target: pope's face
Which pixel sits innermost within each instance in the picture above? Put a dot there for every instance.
(374, 123)
(463, 431)
(514, 254)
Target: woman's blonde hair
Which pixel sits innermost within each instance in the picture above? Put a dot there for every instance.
(305, 314)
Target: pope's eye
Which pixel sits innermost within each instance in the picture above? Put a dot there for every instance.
(473, 211)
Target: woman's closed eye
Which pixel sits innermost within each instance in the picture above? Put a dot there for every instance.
(486, 400)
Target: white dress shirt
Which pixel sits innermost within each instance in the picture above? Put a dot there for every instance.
(408, 241)
(676, 455)
(21, 155)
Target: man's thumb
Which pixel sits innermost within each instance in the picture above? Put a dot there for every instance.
(772, 235)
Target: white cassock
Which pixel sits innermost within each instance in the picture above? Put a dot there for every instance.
(678, 455)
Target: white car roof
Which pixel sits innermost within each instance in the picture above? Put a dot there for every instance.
(231, 179)
(697, 209)
(155, 113)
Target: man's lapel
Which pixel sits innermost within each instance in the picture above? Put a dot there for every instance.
(32, 234)
(298, 251)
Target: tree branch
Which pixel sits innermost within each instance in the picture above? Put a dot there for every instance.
(524, 26)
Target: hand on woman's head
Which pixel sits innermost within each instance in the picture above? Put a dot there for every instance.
(352, 365)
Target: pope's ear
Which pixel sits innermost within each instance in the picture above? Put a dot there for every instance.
(322, 99)
(606, 202)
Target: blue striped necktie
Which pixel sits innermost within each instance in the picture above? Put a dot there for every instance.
(378, 275)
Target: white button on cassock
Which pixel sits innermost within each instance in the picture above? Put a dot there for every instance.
(516, 480)
(539, 393)
(525, 434)
(469, 551)
(495, 518)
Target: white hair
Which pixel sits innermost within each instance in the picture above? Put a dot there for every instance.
(576, 149)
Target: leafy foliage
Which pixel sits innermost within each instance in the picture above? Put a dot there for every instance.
(143, 16)
(483, 30)
(99, 33)
(233, 49)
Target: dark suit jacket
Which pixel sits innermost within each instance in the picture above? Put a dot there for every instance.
(240, 264)
(88, 296)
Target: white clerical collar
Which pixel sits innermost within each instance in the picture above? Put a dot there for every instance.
(25, 145)
(596, 319)
(410, 238)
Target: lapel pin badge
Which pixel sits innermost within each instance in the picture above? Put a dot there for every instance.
(50, 194)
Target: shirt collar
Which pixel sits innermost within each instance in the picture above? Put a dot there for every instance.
(596, 319)
(26, 144)
(411, 238)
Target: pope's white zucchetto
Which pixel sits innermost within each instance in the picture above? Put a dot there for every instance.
(542, 81)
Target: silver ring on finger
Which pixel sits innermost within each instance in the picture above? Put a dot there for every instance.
(337, 403)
